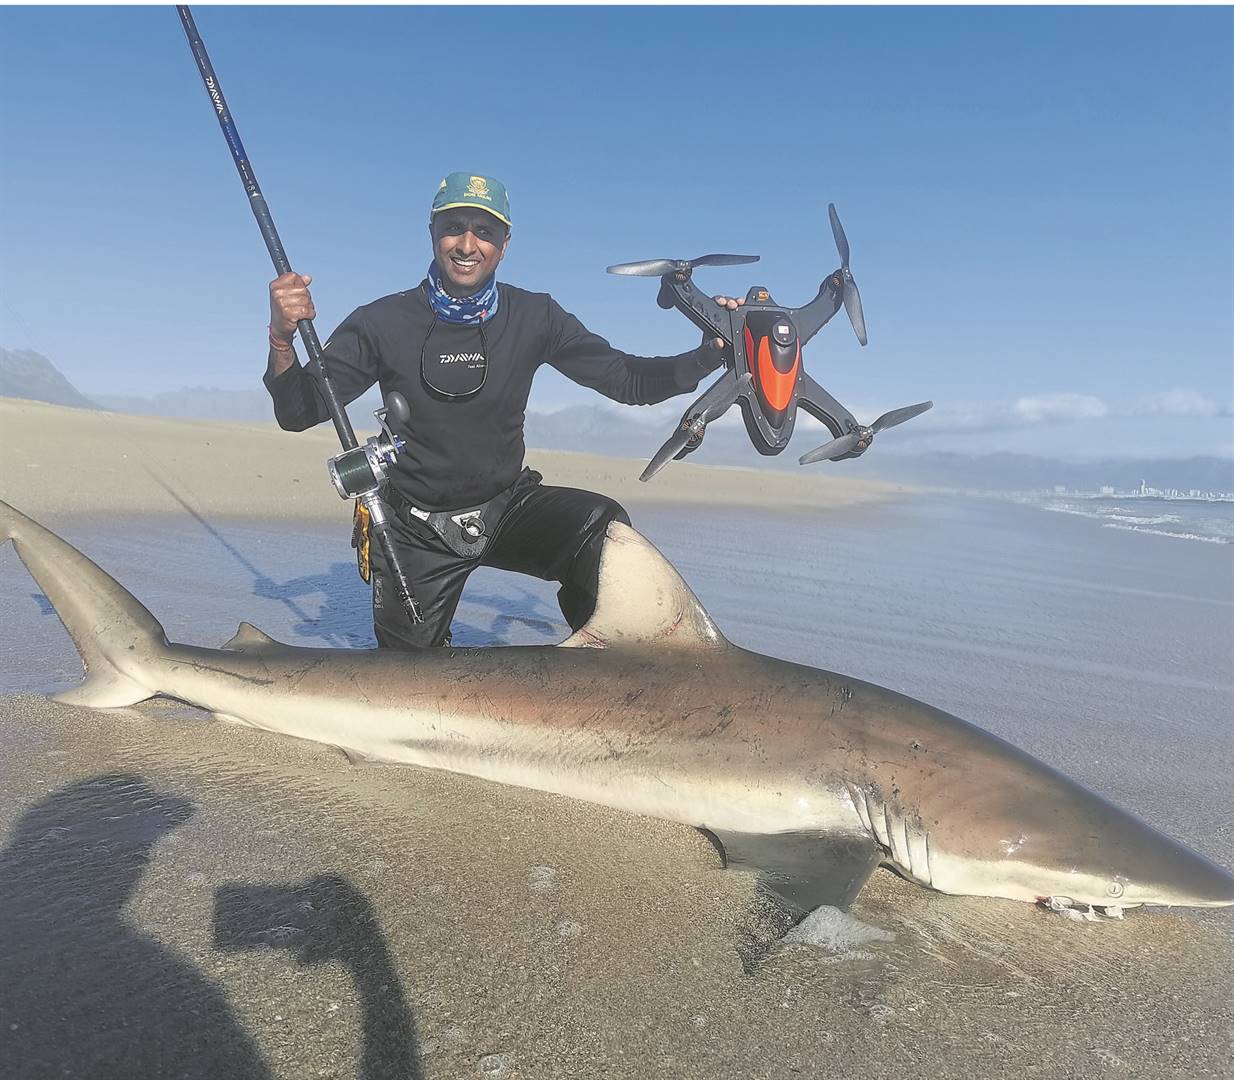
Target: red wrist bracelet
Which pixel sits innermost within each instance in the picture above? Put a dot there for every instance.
(276, 344)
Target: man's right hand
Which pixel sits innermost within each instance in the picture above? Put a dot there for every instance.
(289, 303)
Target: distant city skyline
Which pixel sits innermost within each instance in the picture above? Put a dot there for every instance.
(1039, 201)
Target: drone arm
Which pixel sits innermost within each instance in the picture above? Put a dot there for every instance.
(818, 312)
(712, 319)
(688, 435)
(822, 406)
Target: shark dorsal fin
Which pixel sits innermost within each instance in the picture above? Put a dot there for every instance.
(641, 599)
(248, 638)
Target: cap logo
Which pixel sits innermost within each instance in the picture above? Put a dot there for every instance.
(477, 186)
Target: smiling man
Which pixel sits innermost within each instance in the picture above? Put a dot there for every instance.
(463, 349)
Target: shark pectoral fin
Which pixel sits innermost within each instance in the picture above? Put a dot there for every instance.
(105, 688)
(248, 638)
(805, 870)
(640, 599)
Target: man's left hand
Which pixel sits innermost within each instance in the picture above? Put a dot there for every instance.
(713, 353)
(732, 305)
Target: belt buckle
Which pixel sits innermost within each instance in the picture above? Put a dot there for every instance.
(471, 524)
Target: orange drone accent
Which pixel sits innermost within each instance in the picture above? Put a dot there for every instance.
(777, 385)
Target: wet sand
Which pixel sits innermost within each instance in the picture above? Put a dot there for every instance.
(314, 918)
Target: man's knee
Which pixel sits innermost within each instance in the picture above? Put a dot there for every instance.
(604, 512)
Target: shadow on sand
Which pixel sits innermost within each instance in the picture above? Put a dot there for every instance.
(83, 992)
(327, 920)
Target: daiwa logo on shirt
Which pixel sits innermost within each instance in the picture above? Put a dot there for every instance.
(471, 358)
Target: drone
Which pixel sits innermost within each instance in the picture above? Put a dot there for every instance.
(765, 375)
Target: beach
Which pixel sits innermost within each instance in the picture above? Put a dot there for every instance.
(190, 897)
(80, 461)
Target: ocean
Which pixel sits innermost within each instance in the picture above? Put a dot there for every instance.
(1098, 649)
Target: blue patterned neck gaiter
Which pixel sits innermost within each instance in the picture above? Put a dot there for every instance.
(466, 309)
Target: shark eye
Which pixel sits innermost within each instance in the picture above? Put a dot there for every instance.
(1114, 888)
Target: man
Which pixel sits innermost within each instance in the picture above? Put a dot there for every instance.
(463, 349)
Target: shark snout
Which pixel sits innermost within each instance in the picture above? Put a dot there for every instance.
(1054, 838)
(1197, 882)
(1153, 868)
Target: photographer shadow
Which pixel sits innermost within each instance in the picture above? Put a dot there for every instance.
(83, 992)
(323, 920)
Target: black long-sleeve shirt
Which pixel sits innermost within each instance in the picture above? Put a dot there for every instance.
(463, 451)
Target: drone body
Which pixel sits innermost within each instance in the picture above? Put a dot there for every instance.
(764, 374)
(770, 351)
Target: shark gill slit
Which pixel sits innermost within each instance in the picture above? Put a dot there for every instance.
(906, 852)
(893, 834)
(891, 838)
(858, 797)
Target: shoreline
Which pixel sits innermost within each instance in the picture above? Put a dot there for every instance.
(56, 460)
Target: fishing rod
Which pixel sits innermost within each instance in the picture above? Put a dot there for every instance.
(359, 471)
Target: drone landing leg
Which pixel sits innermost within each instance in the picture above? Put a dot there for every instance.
(851, 438)
(822, 406)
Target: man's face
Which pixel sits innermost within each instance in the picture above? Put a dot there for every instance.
(468, 243)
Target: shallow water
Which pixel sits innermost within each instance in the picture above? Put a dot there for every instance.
(1100, 651)
(314, 919)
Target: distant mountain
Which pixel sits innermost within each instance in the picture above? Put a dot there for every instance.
(595, 430)
(601, 430)
(1020, 472)
(632, 433)
(237, 406)
(30, 375)
(196, 403)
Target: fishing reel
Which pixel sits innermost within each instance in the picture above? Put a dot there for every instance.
(361, 470)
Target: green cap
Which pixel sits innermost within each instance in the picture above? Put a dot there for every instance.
(463, 189)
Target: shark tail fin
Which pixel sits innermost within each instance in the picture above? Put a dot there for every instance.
(113, 632)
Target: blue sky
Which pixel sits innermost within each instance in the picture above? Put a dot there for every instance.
(1040, 201)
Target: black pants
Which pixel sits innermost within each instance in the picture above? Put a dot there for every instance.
(552, 533)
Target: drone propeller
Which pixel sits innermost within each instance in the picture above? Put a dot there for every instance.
(861, 437)
(660, 267)
(676, 443)
(852, 298)
(692, 425)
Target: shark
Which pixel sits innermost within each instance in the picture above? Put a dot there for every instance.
(808, 778)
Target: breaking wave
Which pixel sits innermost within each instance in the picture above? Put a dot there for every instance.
(1207, 522)
(1167, 532)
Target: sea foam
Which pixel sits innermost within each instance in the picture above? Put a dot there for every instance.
(837, 932)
